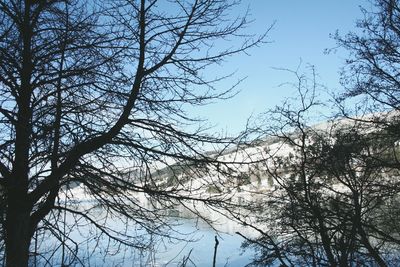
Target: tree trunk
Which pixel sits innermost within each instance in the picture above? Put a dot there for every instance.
(18, 232)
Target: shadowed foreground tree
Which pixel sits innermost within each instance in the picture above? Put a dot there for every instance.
(90, 88)
(371, 71)
(336, 199)
(370, 76)
(336, 202)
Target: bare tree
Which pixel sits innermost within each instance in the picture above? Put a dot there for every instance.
(371, 70)
(335, 198)
(89, 88)
(336, 202)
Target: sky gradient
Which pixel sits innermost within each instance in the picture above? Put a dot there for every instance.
(301, 34)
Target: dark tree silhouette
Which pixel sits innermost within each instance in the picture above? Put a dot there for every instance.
(335, 200)
(372, 67)
(370, 76)
(96, 93)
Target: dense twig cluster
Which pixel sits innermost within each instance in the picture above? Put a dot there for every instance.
(89, 88)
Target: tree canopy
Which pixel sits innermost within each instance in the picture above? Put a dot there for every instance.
(96, 93)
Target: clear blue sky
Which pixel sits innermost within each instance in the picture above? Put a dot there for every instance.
(302, 32)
